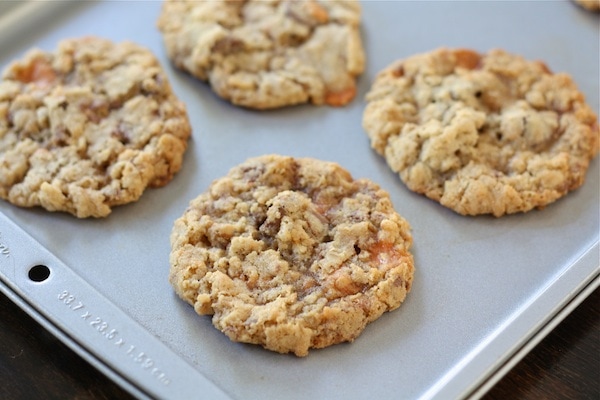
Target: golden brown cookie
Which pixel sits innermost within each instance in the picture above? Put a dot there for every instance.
(291, 254)
(481, 133)
(267, 54)
(591, 5)
(87, 127)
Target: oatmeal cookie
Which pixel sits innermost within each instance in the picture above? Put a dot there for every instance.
(481, 133)
(591, 5)
(87, 127)
(268, 54)
(291, 254)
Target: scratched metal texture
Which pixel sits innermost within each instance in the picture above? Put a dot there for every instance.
(484, 288)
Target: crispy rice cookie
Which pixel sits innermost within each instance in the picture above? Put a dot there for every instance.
(268, 53)
(291, 254)
(87, 127)
(481, 133)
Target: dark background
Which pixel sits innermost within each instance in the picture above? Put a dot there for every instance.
(36, 365)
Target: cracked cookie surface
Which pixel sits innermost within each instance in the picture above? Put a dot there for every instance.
(291, 254)
(268, 53)
(87, 127)
(481, 133)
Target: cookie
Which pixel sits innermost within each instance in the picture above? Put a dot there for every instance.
(481, 133)
(268, 54)
(591, 5)
(87, 127)
(291, 254)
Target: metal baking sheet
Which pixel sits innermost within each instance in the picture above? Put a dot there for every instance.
(485, 289)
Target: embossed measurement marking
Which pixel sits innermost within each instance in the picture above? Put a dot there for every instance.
(112, 335)
(4, 250)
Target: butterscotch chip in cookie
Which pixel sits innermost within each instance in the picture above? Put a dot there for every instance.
(268, 54)
(291, 254)
(87, 127)
(481, 133)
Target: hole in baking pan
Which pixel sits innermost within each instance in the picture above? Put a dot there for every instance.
(39, 273)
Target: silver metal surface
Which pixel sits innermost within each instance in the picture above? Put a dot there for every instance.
(485, 289)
